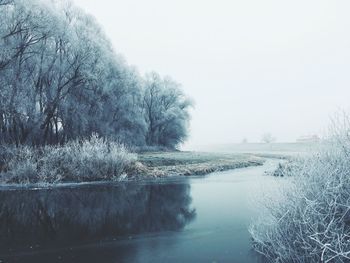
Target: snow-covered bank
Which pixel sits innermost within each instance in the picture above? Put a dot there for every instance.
(309, 219)
(94, 159)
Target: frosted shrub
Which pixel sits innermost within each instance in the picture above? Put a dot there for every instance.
(88, 160)
(20, 163)
(93, 159)
(310, 220)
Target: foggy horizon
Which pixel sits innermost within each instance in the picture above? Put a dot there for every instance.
(251, 67)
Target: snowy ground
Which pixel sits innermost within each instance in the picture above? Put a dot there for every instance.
(284, 149)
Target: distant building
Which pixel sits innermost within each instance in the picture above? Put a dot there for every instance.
(309, 138)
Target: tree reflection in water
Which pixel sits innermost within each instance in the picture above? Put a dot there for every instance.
(68, 216)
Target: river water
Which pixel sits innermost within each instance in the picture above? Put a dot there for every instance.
(202, 219)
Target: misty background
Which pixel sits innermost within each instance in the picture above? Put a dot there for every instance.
(251, 66)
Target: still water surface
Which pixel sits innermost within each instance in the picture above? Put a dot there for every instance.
(183, 220)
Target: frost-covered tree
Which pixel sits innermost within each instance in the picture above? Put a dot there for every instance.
(165, 110)
(267, 138)
(60, 79)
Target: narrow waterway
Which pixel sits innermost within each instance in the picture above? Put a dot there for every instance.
(185, 220)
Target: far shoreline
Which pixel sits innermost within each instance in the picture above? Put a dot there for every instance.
(153, 167)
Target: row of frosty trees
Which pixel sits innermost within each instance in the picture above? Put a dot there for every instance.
(61, 80)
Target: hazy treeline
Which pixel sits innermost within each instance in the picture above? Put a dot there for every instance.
(60, 80)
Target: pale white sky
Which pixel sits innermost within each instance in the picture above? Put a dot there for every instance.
(251, 66)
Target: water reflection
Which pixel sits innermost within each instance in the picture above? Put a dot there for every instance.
(64, 217)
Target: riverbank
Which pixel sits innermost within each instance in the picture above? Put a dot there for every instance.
(97, 160)
(162, 164)
(308, 219)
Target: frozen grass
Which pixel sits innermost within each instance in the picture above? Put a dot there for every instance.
(193, 163)
(308, 220)
(94, 159)
(265, 149)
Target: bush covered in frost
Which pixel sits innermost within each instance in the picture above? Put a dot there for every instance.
(310, 220)
(88, 160)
